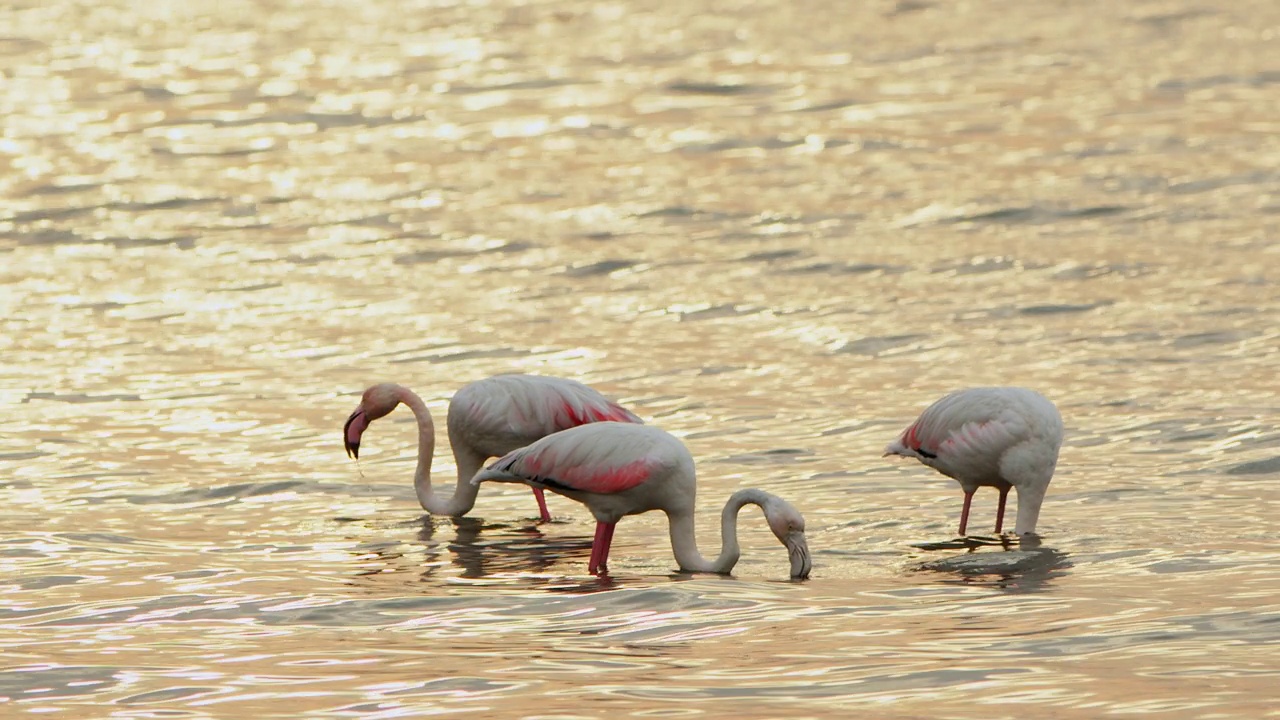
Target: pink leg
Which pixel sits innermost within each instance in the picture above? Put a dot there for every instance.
(964, 514)
(603, 563)
(596, 544)
(1004, 494)
(600, 548)
(542, 504)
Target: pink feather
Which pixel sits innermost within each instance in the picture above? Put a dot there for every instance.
(529, 406)
(586, 461)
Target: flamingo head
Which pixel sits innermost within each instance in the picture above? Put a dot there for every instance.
(787, 525)
(376, 402)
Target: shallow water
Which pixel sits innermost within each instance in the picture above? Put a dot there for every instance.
(776, 229)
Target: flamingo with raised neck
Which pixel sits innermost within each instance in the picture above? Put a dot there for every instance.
(487, 418)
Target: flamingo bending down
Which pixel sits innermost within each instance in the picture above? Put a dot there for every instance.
(487, 418)
(617, 469)
(998, 436)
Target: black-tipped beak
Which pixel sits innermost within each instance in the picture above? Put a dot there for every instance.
(798, 550)
(352, 446)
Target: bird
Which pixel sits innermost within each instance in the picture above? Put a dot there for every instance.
(1003, 437)
(487, 418)
(619, 469)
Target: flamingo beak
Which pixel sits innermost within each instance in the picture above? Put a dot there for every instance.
(798, 550)
(352, 430)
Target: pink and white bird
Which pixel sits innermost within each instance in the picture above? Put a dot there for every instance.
(617, 469)
(487, 418)
(1003, 437)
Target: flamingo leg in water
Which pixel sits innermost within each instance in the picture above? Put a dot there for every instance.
(600, 548)
(1004, 495)
(604, 554)
(542, 504)
(964, 513)
(596, 545)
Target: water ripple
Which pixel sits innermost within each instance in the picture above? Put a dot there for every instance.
(772, 233)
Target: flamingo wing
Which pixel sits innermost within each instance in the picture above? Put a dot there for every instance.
(528, 407)
(984, 438)
(567, 404)
(966, 427)
(600, 458)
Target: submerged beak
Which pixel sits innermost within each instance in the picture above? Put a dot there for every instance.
(798, 550)
(352, 431)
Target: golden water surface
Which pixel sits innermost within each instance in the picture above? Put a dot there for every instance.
(777, 229)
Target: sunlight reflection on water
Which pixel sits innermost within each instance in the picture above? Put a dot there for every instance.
(777, 232)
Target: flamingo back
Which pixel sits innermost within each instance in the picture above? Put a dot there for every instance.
(603, 458)
(528, 407)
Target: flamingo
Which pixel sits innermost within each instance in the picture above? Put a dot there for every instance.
(998, 436)
(617, 469)
(487, 418)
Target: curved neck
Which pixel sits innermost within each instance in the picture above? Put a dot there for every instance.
(684, 542)
(464, 494)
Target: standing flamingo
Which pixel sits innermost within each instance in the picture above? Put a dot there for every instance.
(999, 436)
(487, 418)
(617, 469)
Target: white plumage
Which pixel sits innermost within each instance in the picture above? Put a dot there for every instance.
(487, 418)
(1003, 437)
(619, 469)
